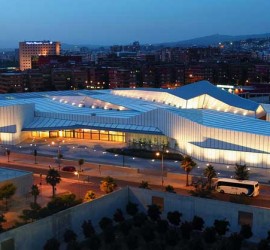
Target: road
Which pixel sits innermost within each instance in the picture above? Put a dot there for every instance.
(85, 181)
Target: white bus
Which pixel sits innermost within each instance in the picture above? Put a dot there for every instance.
(233, 186)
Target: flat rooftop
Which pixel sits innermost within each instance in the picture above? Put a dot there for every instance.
(8, 173)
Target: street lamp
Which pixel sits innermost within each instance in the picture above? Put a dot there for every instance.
(77, 173)
(123, 155)
(162, 165)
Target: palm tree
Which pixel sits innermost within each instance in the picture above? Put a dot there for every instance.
(8, 153)
(53, 178)
(59, 157)
(188, 164)
(35, 192)
(209, 172)
(80, 162)
(241, 172)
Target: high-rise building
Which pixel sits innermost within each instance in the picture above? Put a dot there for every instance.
(36, 48)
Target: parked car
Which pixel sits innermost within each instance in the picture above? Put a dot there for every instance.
(69, 168)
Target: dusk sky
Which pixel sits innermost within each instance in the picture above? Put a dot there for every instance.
(107, 22)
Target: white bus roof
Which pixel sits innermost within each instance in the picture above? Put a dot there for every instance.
(238, 181)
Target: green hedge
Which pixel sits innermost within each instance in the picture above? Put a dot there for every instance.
(143, 153)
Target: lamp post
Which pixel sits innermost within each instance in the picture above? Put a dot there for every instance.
(59, 155)
(123, 162)
(162, 165)
(77, 173)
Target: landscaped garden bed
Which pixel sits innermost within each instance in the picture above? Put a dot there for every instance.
(144, 153)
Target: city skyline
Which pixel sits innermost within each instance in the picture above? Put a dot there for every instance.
(121, 22)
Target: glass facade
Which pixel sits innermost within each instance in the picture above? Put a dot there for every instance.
(88, 134)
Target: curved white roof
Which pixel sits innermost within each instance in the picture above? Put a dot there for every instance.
(204, 87)
(62, 107)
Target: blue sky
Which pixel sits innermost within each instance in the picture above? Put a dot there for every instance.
(107, 22)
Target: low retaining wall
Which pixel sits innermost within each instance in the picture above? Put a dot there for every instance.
(35, 235)
(208, 209)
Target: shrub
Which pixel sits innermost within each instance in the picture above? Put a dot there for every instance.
(172, 237)
(89, 196)
(186, 229)
(88, 229)
(94, 243)
(73, 245)
(109, 235)
(153, 212)
(118, 216)
(147, 232)
(143, 153)
(201, 191)
(125, 227)
(170, 189)
(139, 219)
(197, 223)
(174, 218)
(196, 244)
(105, 223)
(108, 185)
(209, 235)
(246, 231)
(235, 241)
(162, 226)
(221, 226)
(132, 242)
(132, 208)
(144, 184)
(240, 199)
(69, 236)
(52, 244)
(263, 245)
(60, 203)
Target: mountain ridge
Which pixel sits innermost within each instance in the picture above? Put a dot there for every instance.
(208, 40)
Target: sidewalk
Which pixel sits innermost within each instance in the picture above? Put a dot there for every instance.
(97, 170)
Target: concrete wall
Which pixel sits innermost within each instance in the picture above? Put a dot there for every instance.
(23, 184)
(208, 209)
(34, 235)
(21, 179)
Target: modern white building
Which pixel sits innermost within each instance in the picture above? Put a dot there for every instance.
(199, 119)
(36, 48)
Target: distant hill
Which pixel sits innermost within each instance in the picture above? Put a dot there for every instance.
(66, 46)
(200, 41)
(213, 40)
